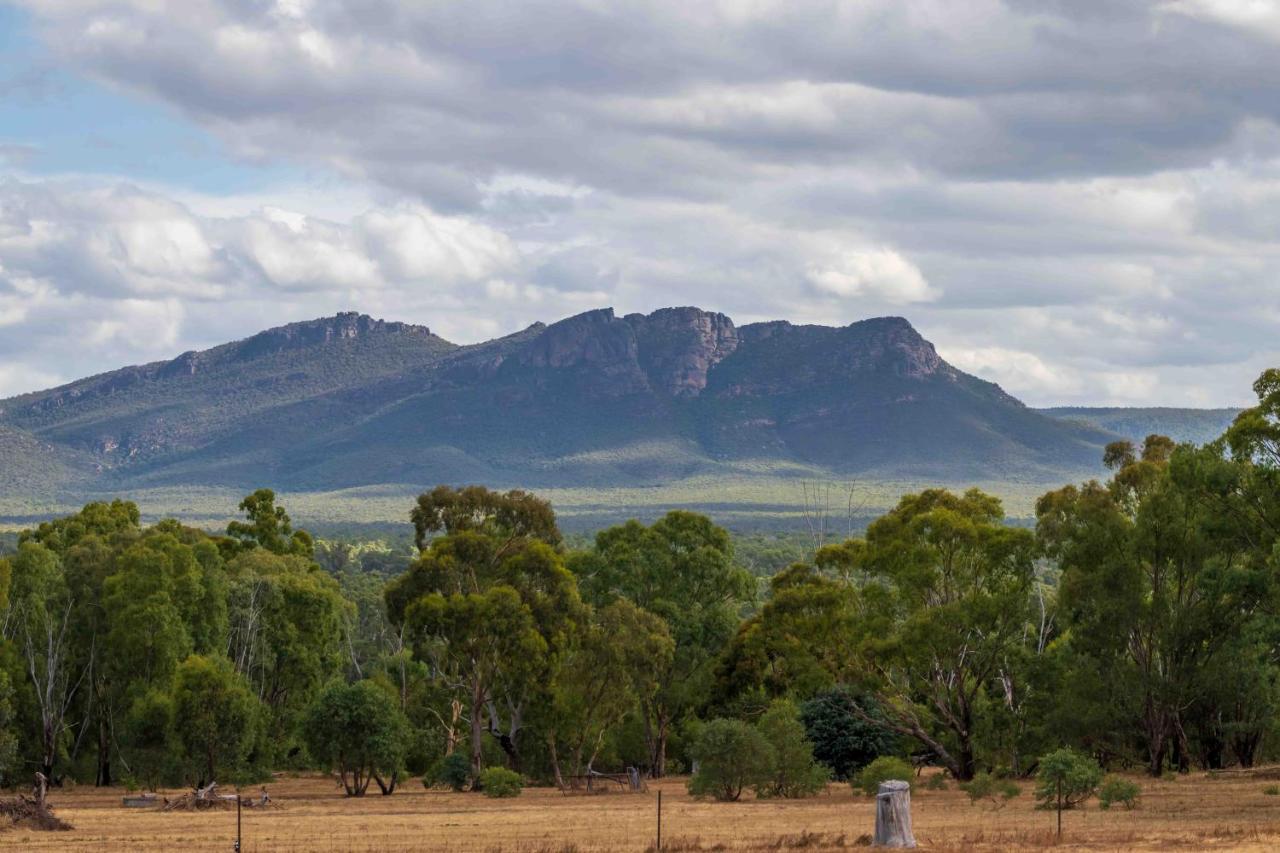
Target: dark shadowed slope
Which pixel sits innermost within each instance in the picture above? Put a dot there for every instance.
(593, 400)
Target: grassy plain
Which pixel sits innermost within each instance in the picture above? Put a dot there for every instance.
(1190, 813)
(741, 503)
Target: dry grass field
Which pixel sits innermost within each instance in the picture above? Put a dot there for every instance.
(1192, 813)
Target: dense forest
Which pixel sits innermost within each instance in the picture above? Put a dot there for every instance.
(1138, 623)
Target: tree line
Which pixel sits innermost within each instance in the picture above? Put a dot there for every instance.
(1136, 622)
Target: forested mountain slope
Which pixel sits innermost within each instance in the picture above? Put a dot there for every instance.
(1195, 425)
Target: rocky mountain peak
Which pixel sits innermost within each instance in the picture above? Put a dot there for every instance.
(348, 325)
(679, 345)
(894, 344)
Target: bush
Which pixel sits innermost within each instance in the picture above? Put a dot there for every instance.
(453, 771)
(1272, 790)
(936, 782)
(984, 786)
(500, 782)
(795, 773)
(841, 739)
(883, 769)
(1116, 789)
(731, 755)
(1066, 779)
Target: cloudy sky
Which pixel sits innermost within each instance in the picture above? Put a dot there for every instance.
(1078, 199)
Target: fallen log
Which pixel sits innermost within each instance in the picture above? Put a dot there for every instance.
(33, 812)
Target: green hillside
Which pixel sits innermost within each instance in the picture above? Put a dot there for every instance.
(1198, 426)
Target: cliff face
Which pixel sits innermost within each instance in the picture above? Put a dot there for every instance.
(668, 352)
(678, 346)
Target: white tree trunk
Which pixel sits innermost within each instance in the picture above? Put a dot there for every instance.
(893, 815)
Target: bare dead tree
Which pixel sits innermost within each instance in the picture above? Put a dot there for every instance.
(46, 648)
(823, 502)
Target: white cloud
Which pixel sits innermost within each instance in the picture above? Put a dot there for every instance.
(1015, 369)
(882, 274)
(1251, 16)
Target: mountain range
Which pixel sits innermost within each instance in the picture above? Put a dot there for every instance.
(595, 400)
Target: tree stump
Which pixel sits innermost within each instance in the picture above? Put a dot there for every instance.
(893, 815)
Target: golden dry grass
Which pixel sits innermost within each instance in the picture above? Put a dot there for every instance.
(1193, 813)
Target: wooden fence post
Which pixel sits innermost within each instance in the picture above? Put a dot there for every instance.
(658, 846)
(893, 815)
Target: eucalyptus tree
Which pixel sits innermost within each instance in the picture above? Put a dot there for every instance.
(946, 597)
(489, 606)
(610, 669)
(1161, 572)
(682, 569)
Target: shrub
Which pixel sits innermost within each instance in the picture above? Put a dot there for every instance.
(359, 729)
(936, 782)
(731, 755)
(453, 771)
(500, 782)
(1066, 779)
(883, 769)
(1116, 789)
(841, 739)
(1272, 790)
(984, 786)
(795, 773)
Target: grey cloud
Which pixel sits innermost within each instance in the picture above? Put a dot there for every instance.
(1078, 195)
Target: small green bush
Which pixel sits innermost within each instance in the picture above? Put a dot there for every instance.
(997, 791)
(500, 782)
(1117, 790)
(731, 756)
(936, 782)
(1066, 779)
(1272, 790)
(453, 771)
(795, 773)
(883, 769)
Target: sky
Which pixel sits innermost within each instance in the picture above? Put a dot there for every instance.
(1078, 199)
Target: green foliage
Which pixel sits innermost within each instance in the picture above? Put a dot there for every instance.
(983, 786)
(358, 729)
(616, 661)
(9, 754)
(795, 773)
(681, 569)
(491, 607)
(945, 608)
(1163, 564)
(842, 739)
(1066, 779)
(511, 515)
(937, 782)
(731, 756)
(883, 769)
(1118, 790)
(452, 771)
(797, 643)
(268, 527)
(214, 715)
(147, 737)
(1272, 790)
(500, 782)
